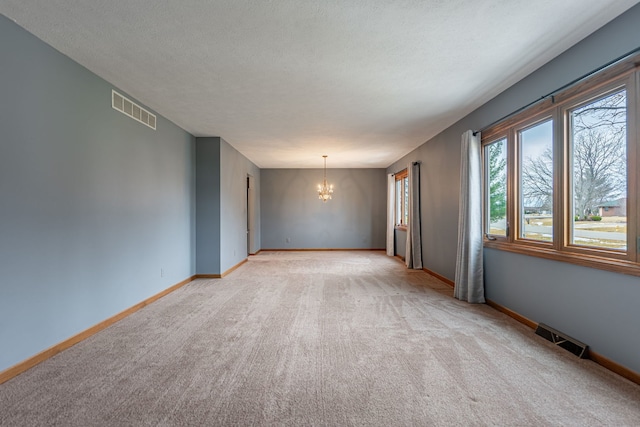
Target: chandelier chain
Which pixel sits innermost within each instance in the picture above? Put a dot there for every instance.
(325, 190)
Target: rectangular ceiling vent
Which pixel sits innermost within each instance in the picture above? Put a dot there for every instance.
(562, 340)
(128, 107)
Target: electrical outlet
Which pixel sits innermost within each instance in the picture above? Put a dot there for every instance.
(288, 239)
(162, 272)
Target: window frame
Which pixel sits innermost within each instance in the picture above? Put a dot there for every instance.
(516, 226)
(558, 108)
(486, 222)
(631, 145)
(400, 204)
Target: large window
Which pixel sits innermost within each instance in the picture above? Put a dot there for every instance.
(598, 157)
(402, 199)
(560, 179)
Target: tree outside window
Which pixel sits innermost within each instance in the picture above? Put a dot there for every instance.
(564, 174)
(495, 155)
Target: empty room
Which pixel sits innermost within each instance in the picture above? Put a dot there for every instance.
(319, 213)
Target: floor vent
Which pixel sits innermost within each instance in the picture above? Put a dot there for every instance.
(562, 340)
(133, 110)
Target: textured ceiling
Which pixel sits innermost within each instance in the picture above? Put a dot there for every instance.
(286, 81)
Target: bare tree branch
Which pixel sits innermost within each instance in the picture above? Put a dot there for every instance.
(598, 154)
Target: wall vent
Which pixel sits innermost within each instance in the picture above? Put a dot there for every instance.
(562, 340)
(128, 107)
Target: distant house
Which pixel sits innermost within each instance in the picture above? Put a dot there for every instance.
(613, 208)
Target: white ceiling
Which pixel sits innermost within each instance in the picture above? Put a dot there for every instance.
(286, 81)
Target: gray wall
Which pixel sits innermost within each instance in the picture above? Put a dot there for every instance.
(355, 217)
(400, 243)
(439, 182)
(221, 195)
(93, 205)
(234, 169)
(208, 205)
(591, 305)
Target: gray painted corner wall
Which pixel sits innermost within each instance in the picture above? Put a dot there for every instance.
(354, 219)
(234, 169)
(96, 211)
(221, 194)
(208, 205)
(593, 306)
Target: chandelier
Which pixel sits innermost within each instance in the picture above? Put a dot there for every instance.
(325, 191)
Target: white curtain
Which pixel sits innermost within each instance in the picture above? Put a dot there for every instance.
(469, 285)
(413, 257)
(391, 203)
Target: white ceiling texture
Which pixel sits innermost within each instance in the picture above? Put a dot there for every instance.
(286, 81)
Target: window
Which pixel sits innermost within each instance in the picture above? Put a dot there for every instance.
(560, 178)
(535, 210)
(598, 157)
(495, 203)
(402, 199)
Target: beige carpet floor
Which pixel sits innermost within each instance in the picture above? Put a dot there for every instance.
(318, 338)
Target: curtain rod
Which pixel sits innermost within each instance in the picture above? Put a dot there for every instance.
(552, 93)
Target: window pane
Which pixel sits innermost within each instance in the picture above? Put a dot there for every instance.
(399, 193)
(599, 179)
(495, 158)
(536, 182)
(406, 200)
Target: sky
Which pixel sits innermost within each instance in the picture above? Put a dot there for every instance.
(536, 139)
